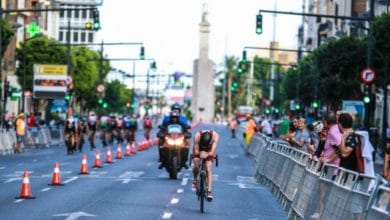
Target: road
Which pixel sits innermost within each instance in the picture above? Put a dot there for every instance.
(132, 187)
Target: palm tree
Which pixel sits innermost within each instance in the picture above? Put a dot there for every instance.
(230, 66)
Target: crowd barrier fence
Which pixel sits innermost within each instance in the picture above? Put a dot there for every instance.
(307, 189)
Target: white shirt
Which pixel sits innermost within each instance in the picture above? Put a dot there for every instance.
(266, 127)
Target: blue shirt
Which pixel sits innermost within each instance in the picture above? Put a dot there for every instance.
(182, 120)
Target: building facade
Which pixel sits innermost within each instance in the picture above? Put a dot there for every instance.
(77, 19)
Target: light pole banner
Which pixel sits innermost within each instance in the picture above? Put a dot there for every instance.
(50, 81)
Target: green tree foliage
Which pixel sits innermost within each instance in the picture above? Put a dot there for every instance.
(381, 35)
(6, 34)
(38, 51)
(117, 95)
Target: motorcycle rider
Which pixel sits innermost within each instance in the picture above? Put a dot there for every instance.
(174, 118)
(182, 118)
(205, 146)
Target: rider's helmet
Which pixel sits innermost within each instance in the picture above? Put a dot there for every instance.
(177, 107)
(174, 116)
(206, 140)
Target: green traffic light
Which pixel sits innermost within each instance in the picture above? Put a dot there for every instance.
(96, 26)
(366, 99)
(267, 111)
(239, 70)
(105, 105)
(67, 97)
(259, 30)
(235, 84)
(314, 104)
(100, 101)
(297, 107)
(276, 110)
(132, 106)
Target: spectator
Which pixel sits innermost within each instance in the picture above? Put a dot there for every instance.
(233, 127)
(7, 120)
(250, 128)
(20, 127)
(314, 139)
(301, 138)
(265, 126)
(284, 127)
(290, 134)
(386, 158)
(31, 121)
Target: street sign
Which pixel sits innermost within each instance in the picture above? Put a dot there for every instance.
(100, 88)
(50, 81)
(367, 75)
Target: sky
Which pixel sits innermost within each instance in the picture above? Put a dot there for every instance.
(169, 30)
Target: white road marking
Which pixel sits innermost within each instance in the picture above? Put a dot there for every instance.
(215, 177)
(71, 179)
(233, 156)
(167, 215)
(247, 179)
(174, 200)
(180, 190)
(12, 179)
(184, 181)
(75, 215)
(2, 168)
(18, 200)
(45, 189)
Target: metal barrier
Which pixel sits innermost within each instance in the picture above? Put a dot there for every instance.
(35, 137)
(308, 191)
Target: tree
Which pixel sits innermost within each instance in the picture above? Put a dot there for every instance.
(117, 96)
(6, 34)
(230, 64)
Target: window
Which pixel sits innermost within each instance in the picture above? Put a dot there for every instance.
(84, 14)
(83, 34)
(76, 13)
(75, 36)
(336, 13)
(62, 13)
(90, 37)
(61, 36)
(69, 13)
(90, 14)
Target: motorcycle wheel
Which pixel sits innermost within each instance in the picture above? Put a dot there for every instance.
(174, 169)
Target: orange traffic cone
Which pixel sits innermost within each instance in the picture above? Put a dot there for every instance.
(128, 150)
(140, 146)
(25, 193)
(119, 152)
(108, 156)
(56, 179)
(133, 148)
(84, 168)
(98, 163)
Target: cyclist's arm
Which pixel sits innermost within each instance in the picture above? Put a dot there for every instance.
(196, 145)
(214, 146)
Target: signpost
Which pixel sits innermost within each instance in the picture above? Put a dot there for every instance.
(367, 75)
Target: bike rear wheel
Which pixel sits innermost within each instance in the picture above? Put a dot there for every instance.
(202, 193)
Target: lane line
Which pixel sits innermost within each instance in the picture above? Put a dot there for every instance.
(184, 181)
(180, 190)
(71, 179)
(18, 200)
(167, 215)
(174, 200)
(45, 189)
(2, 168)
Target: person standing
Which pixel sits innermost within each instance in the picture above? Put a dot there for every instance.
(301, 138)
(7, 120)
(250, 128)
(20, 127)
(233, 127)
(265, 126)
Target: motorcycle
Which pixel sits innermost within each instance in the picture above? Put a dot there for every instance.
(174, 149)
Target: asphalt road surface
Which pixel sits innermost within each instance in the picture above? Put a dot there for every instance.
(132, 187)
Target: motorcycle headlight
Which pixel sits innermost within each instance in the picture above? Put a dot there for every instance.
(179, 141)
(170, 141)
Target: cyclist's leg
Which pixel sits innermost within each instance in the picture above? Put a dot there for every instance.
(209, 165)
(195, 170)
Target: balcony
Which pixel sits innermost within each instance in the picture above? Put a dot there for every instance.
(82, 2)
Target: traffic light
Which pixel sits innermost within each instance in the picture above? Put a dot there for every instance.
(142, 53)
(244, 60)
(267, 111)
(242, 67)
(366, 95)
(132, 106)
(96, 19)
(259, 24)
(88, 25)
(297, 106)
(105, 105)
(147, 107)
(276, 110)
(100, 101)
(153, 65)
(67, 97)
(314, 104)
(234, 86)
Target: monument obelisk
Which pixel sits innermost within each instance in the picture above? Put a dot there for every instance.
(203, 96)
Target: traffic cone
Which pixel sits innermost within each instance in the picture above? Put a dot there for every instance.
(128, 150)
(108, 155)
(25, 193)
(98, 163)
(133, 148)
(140, 146)
(84, 168)
(119, 152)
(56, 179)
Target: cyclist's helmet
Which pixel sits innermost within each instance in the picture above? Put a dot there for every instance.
(177, 107)
(206, 140)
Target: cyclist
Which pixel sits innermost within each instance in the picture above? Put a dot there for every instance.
(112, 128)
(147, 126)
(205, 146)
(92, 121)
(118, 129)
(104, 126)
(70, 133)
(130, 125)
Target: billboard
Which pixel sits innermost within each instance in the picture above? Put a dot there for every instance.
(356, 109)
(49, 81)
